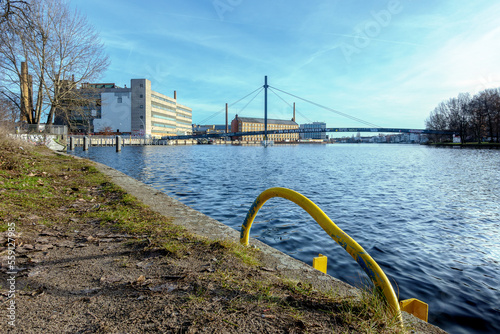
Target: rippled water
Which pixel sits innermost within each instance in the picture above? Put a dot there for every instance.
(429, 217)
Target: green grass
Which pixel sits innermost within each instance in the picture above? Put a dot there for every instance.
(245, 254)
(369, 313)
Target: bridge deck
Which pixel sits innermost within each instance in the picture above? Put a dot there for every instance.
(256, 133)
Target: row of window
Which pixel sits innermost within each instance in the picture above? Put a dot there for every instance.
(260, 126)
(248, 129)
(184, 109)
(162, 106)
(270, 137)
(167, 117)
(184, 116)
(184, 122)
(164, 99)
(164, 125)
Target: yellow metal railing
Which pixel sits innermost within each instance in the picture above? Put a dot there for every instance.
(371, 268)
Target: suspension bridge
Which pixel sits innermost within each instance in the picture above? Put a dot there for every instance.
(369, 127)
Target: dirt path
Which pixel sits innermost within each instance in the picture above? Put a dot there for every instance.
(93, 280)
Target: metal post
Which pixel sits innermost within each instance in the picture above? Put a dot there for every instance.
(72, 143)
(118, 143)
(265, 108)
(227, 127)
(85, 143)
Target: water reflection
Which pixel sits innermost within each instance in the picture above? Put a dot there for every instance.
(429, 217)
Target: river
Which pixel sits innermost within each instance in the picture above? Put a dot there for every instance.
(430, 217)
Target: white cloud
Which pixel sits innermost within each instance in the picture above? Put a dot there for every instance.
(429, 52)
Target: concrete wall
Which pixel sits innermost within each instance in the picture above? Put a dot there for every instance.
(115, 112)
(141, 105)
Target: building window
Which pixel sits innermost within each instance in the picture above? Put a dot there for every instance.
(141, 106)
(141, 85)
(119, 100)
(141, 96)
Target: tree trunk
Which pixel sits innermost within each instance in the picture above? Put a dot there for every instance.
(26, 112)
(50, 117)
(39, 100)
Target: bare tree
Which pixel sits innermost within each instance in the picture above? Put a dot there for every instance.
(62, 51)
(438, 120)
(479, 106)
(10, 8)
(495, 102)
(107, 130)
(473, 117)
(9, 113)
(491, 97)
(459, 115)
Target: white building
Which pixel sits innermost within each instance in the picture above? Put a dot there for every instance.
(140, 111)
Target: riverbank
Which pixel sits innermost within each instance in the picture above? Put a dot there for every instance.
(91, 257)
(483, 146)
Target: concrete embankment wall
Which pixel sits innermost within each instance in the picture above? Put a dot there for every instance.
(201, 224)
(273, 260)
(128, 141)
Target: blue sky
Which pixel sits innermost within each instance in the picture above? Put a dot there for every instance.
(385, 62)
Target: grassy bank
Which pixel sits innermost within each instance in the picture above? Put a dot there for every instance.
(164, 278)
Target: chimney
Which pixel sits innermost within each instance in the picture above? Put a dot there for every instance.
(175, 95)
(227, 127)
(293, 119)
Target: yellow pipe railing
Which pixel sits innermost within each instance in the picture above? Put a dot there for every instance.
(371, 268)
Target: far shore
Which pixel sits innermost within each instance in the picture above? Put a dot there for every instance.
(488, 146)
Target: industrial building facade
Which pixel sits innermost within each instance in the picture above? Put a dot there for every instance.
(246, 124)
(316, 130)
(137, 110)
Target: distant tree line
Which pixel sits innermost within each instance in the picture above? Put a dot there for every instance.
(474, 118)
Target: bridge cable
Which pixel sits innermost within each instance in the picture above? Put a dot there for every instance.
(230, 105)
(253, 98)
(330, 109)
(298, 112)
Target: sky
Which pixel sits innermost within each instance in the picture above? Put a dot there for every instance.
(387, 63)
